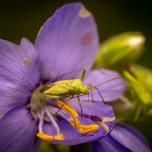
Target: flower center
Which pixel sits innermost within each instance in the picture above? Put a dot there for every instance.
(38, 101)
(47, 111)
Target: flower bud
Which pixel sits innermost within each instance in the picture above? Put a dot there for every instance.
(139, 80)
(144, 75)
(120, 50)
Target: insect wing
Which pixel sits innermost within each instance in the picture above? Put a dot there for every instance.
(59, 88)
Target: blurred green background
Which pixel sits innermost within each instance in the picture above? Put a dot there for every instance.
(23, 18)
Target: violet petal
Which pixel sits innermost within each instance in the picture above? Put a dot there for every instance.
(19, 73)
(122, 138)
(109, 83)
(67, 41)
(18, 132)
(72, 136)
(92, 108)
(92, 113)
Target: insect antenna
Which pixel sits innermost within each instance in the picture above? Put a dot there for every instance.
(72, 71)
(105, 82)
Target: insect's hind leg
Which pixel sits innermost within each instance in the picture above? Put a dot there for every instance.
(92, 95)
(88, 96)
(79, 102)
(100, 94)
(95, 88)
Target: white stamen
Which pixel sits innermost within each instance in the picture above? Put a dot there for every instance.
(52, 110)
(41, 117)
(61, 113)
(52, 120)
(64, 115)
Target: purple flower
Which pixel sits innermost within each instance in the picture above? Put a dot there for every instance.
(123, 138)
(66, 42)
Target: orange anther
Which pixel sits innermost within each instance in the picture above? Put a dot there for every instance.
(88, 129)
(50, 138)
(66, 107)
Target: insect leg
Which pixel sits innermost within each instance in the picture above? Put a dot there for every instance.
(100, 94)
(79, 102)
(88, 96)
(62, 106)
(91, 95)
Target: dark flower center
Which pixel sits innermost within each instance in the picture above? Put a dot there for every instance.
(38, 102)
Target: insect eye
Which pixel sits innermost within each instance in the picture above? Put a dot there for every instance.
(84, 90)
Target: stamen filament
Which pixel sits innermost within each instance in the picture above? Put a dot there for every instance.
(41, 121)
(52, 120)
(45, 136)
(64, 115)
(103, 122)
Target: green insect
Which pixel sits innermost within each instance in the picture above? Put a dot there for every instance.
(68, 89)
